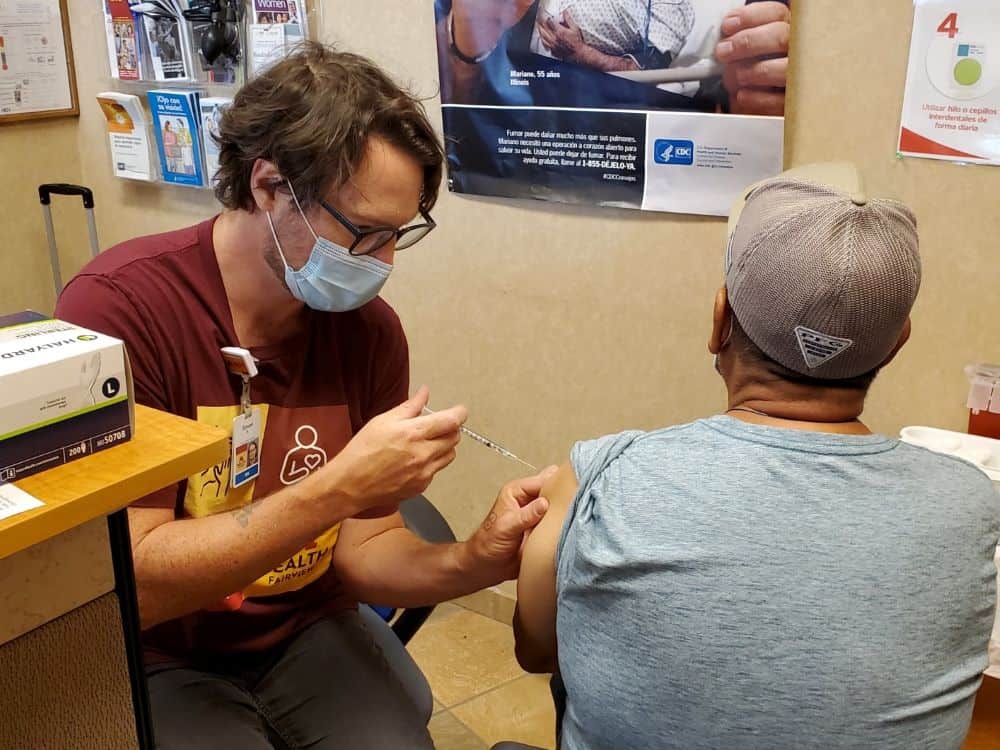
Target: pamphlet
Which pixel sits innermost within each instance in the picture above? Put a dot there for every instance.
(128, 131)
(267, 45)
(211, 116)
(281, 11)
(123, 48)
(175, 115)
(167, 40)
(276, 28)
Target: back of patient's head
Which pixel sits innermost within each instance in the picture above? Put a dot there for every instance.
(820, 278)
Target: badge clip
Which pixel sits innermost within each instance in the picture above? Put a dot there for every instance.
(245, 458)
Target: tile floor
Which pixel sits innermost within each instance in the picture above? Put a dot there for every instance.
(481, 695)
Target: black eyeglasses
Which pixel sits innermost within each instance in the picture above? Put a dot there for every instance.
(372, 239)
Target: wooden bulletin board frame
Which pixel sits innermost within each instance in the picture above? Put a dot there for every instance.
(74, 109)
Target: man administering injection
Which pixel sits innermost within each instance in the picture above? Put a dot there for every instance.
(248, 587)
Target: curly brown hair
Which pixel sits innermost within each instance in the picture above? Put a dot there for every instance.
(310, 114)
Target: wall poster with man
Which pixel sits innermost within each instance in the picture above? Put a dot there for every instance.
(660, 105)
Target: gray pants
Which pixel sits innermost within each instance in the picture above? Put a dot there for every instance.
(345, 682)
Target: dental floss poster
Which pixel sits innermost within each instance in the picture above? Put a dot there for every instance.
(655, 137)
(951, 106)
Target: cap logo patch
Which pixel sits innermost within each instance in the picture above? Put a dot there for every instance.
(818, 348)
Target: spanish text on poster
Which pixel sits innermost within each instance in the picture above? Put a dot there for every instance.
(951, 109)
(645, 104)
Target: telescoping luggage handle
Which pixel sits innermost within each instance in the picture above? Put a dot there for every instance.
(45, 193)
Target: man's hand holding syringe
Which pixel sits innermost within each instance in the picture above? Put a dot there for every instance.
(406, 446)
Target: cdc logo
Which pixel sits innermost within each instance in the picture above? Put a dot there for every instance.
(673, 152)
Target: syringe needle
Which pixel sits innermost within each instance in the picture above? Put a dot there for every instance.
(489, 443)
(498, 448)
(520, 461)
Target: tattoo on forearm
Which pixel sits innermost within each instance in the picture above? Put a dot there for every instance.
(242, 515)
(490, 520)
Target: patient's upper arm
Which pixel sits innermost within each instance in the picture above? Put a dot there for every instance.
(535, 617)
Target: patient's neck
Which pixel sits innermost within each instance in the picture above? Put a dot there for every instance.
(761, 398)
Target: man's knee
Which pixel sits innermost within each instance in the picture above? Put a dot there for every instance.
(198, 711)
(400, 662)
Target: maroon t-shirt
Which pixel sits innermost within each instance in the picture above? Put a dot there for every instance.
(163, 295)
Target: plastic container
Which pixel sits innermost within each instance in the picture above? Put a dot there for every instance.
(984, 400)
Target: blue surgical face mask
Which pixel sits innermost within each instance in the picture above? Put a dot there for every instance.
(332, 280)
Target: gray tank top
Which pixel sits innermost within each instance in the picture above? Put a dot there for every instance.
(726, 585)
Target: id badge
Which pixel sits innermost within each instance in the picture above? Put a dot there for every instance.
(246, 447)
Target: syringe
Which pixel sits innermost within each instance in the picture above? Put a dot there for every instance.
(489, 444)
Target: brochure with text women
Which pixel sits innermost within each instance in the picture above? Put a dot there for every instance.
(276, 27)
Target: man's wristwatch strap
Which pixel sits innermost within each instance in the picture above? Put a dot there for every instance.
(467, 59)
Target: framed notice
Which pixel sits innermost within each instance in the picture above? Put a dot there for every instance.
(37, 79)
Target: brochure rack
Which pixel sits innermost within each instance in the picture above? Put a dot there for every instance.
(160, 46)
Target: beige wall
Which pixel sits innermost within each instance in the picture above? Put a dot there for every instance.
(554, 324)
(33, 153)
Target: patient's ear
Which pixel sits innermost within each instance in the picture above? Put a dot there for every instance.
(904, 336)
(721, 313)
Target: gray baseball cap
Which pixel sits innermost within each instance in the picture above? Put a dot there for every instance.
(821, 277)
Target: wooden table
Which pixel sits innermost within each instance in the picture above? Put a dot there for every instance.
(70, 656)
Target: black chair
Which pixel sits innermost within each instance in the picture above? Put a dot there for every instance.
(424, 520)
